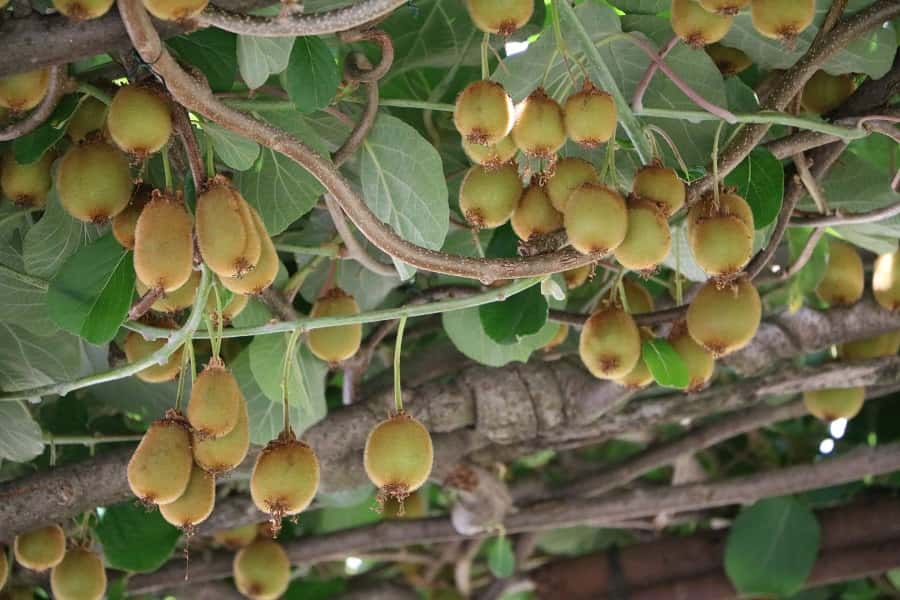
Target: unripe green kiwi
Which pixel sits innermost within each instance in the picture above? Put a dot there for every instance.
(3, 4)
(699, 361)
(414, 506)
(610, 343)
(661, 186)
(266, 269)
(90, 116)
(236, 537)
(492, 156)
(160, 468)
(590, 116)
(137, 348)
(483, 113)
(782, 20)
(596, 219)
(164, 243)
(886, 280)
(886, 344)
(233, 308)
(577, 276)
(844, 278)
(398, 456)
(173, 302)
(26, 185)
(24, 91)
(729, 61)
(262, 570)
(224, 454)
(825, 92)
(648, 240)
(124, 223)
(139, 120)
(175, 10)
(80, 576)
(558, 338)
(640, 376)
(40, 549)
(535, 215)
(695, 25)
(639, 299)
(487, 198)
(724, 318)
(540, 128)
(94, 181)
(229, 242)
(840, 403)
(196, 503)
(215, 403)
(285, 478)
(569, 174)
(83, 10)
(500, 16)
(721, 244)
(337, 343)
(724, 7)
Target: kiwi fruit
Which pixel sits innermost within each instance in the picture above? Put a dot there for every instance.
(232, 308)
(236, 537)
(180, 299)
(578, 276)
(724, 318)
(175, 10)
(640, 376)
(89, 117)
(139, 120)
(26, 185)
(535, 215)
(596, 219)
(729, 61)
(782, 20)
(568, 175)
(137, 348)
(94, 182)
(844, 278)
(886, 280)
(124, 223)
(83, 10)
(398, 456)
(164, 243)
(80, 576)
(661, 186)
(639, 299)
(340, 342)
(825, 92)
(160, 468)
(610, 343)
(285, 478)
(262, 570)
(840, 403)
(696, 26)
(699, 361)
(487, 198)
(590, 116)
(4, 567)
(558, 338)
(886, 344)
(216, 400)
(228, 240)
(648, 239)
(724, 7)
(40, 549)
(721, 244)
(491, 156)
(196, 503)
(483, 113)
(502, 17)
(539, 130)
(24, 91)
(266, 269)
(224, 454)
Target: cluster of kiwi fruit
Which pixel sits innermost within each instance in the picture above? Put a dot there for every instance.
(702, 22)
(76, 572)
(167, 10)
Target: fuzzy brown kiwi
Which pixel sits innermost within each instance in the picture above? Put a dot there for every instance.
(216, 400)
(337, 343)
(175, 10)
(196, 503)
(782, 20)
(721, 244)
(164, 243)
(724, 318)
(824, 92)
(266, 269)
(173, 302)
(648, 240)
(160, 468)
(124, 223)
(492, 156)
(661, 186)
(26, 185)
(483, 113)
(262, 570)
(568, 175)
(502, 17)
(232, 308)
(139, 120)
(886, 280)
(224, 235)
(886, 344)
(137, 348)
(83, 10)
(4, 567)
(596, 219)
(844, 278)
(695, 25)
(487, 198)
(590, 116)
(839, 403)
(540, 129)
(639, 299)
(640, 376)
(610, 343)
(535, 215)
(224, 454)
(577, 277)
(729, 61)
(40, 549)
(398, 456)
(89, 117)
(236, 537)
(94, 181)
(724, 7)
(285, 478)
(24, 91)
(80, 576)
(699, 361)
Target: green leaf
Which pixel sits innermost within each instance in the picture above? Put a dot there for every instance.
(665, 364)
(27, 360)
(500, 558)
(312, 76)
(91, 294)
(54, 239)
(261, 57)
(467, 334)
(759, 179)
(23, 301)
(809, 276)
(20, 436)
(772, 547)
(213, 52)
(335, 518)
(642, 7)
(315, 589)
(31, 146)
(504, 243)
(894, 576)
(520, 315)
(135, 539)
(235, 150)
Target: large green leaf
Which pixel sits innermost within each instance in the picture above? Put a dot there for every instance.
(27, 360)
(500, 557)
(772, 547)
(642, 7)
(759, 179)
(213, 52)
(261, 57)
(23, 301)
(31, 146)
(91, 294)
(315, 589)
(312, 76)
(236, 151)
(518, 316)
(665, 364)
(54, 239)
(467, 334)
(20, 436)
(135, 539)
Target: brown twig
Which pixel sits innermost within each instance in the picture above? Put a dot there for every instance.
(55, 90)
(185, 131)
(143, 304)
(809, 182)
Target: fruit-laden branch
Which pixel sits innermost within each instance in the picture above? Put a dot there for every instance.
(42, 112)
(607, 511)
